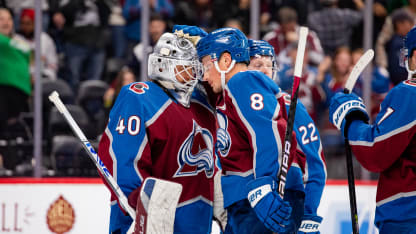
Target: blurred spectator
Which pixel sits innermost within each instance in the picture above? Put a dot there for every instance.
(380, 86)
(286, 33)
(402, 23)
(157, 26)
(117, 24)
(310, 93)
(333, 25)
(336, 73)
(15, 84)
(131, 12)
(387, 33)
(86, 35)
(195, 12)
(124, 77)
(242, 14)
(18, 6)
(303, 7)
(380, 83)
(234, 23)
(48, 54)
(333, 74)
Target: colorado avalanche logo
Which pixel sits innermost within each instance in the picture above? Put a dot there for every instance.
(202, 160)
(139, 87)
(223, 143)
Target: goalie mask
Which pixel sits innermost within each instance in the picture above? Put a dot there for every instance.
(262, 58)
(407, 51)
(174, 64)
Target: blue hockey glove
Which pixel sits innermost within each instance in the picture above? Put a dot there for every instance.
(345, 108)
(192, 33)
(310, 224)
(267, 204)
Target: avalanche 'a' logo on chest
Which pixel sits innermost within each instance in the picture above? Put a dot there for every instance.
(196, 153)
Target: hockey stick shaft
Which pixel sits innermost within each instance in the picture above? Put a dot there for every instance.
(284, 164)
(352, 79)
(351, 189)
(54, 97)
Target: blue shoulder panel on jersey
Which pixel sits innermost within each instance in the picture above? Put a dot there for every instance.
(396, 112)
(135, 105)
(254, 96)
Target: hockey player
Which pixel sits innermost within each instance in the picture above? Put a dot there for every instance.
(311, 185)
(387, 146)
(250, 136)
(164, 128)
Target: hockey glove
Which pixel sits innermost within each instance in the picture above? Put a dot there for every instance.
(192, 33)
(310, 224)
(267, 204)
(345, 108)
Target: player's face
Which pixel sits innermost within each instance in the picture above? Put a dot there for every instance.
(263, 64)
(184, 73)
(412, 61)
(211, 75)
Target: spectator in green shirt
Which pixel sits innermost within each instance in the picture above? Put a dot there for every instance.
(15, 82)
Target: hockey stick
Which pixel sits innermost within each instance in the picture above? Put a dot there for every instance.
(359, 67)
(54, 97)
(303, 32)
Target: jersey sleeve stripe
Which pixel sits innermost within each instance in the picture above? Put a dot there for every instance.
(383, 137)
(395, 197)
(158, 113)
(111, 150)
(138, 157)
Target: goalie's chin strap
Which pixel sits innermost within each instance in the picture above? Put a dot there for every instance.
(223, 72)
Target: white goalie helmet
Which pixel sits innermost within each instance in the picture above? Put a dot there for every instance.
(174, 64)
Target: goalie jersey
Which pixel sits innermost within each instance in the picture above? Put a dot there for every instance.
(149, 134)
(252, 124)
(389, 147)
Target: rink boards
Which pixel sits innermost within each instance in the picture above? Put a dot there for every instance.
(79, 205)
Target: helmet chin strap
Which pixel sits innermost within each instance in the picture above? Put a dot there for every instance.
(409, 72)
(223, 72)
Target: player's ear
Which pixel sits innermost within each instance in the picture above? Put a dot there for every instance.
(226, 59)
(412, 60)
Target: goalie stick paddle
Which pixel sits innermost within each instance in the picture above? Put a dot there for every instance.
(54, 97)
(358, 68)
(284, 164)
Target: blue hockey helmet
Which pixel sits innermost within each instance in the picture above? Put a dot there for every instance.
(407, 51)
(260, 47)
(410, 42)
(222, 40)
